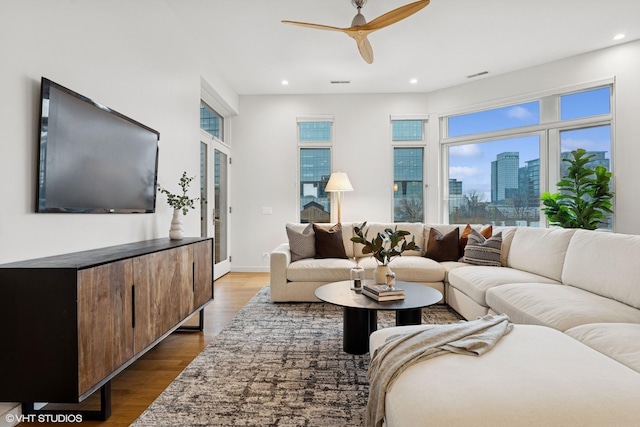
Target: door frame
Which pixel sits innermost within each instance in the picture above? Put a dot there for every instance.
(213, 144)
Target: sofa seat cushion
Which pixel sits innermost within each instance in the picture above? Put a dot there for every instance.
(534, 376)
(319, 270)
(452, 265)
(620, 341)
(475, 281)
(408, 268)
(561, 307)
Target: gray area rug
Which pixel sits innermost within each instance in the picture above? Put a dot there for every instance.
(275, 365)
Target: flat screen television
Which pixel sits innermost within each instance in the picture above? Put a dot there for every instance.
(93, 159)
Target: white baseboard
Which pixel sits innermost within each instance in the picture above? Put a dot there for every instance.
(261, 269)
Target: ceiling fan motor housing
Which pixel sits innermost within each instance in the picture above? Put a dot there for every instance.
(358, 3)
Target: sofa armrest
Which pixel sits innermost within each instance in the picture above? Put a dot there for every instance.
(278, 262)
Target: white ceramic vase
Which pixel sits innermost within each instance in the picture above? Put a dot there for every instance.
(380, 274)
(176, 232)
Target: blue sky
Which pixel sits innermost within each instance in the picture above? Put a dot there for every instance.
(471, 163)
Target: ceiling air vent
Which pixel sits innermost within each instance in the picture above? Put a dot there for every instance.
(481, 73)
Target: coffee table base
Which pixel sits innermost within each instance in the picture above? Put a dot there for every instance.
(359, 323)
(409, 317)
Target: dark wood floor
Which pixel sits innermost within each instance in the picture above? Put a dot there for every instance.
(137, 386)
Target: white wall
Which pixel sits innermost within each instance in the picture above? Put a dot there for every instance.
(265, 146)
(265, 163)
(132, 56)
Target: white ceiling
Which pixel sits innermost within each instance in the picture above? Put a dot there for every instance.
(440, 45)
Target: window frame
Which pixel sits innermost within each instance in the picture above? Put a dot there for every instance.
(549, 129)
(301, 145)
(422, 143)
(220, 137)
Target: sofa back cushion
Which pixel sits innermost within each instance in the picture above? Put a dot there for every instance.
(415, 230)
(347, 234)
(605, 264)
(540, 250)
(302, 243)
(329, 242)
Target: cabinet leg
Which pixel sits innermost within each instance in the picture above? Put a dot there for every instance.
(200, 326)
(101, 414)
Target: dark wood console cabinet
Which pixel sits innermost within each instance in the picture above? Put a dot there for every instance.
(70, 323)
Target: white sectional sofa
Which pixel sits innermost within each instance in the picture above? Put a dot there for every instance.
(573, 357)
(297, 280)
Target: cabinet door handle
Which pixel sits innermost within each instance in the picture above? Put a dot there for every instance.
(133, 306)
(193, 277)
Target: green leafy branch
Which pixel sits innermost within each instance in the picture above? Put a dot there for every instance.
(385, 246)
(183, 202)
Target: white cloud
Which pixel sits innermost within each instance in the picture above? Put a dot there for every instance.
(462, 172)
(468, 150)
(519, 113)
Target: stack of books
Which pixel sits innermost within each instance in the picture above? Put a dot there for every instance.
(382, 292)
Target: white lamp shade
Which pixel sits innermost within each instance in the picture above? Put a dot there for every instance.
(339, 181)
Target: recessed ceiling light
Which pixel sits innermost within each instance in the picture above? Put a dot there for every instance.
(413, 81)
(619, 36)
(285, 82)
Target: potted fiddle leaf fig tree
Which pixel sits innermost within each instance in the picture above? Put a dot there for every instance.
(584, 196)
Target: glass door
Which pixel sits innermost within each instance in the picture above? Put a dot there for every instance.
(214, 165)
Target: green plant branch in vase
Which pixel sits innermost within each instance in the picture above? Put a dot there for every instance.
(584, 197)
(183, 201)
(180, 203)
(384, 246)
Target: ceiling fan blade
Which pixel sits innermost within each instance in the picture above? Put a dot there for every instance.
(316, 26)
(365, 48)
(395, 15)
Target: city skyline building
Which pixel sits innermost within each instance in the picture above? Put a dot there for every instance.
(505, 176)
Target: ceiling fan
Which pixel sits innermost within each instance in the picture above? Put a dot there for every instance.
(360, 28)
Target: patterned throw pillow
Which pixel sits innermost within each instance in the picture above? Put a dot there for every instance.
(482, 251)
(464, 237)
(301, 244)
(443, 247)
(329, 242)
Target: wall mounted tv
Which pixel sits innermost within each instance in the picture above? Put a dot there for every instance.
(93, 159)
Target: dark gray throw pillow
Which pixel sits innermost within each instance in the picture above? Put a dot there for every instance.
(329, 242)
(301, 244)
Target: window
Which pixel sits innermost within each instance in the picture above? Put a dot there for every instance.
(407, 136)
(597, 141)
(496, 181)
(585, 104)
(408, 194)
(211, 122)
(315, 169)
(407, 130)
(500, 160)
(314, 131)
(509, 117)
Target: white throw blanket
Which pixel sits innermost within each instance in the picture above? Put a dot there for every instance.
(401, 351)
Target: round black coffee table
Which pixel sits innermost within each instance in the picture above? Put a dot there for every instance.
(360, 313)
